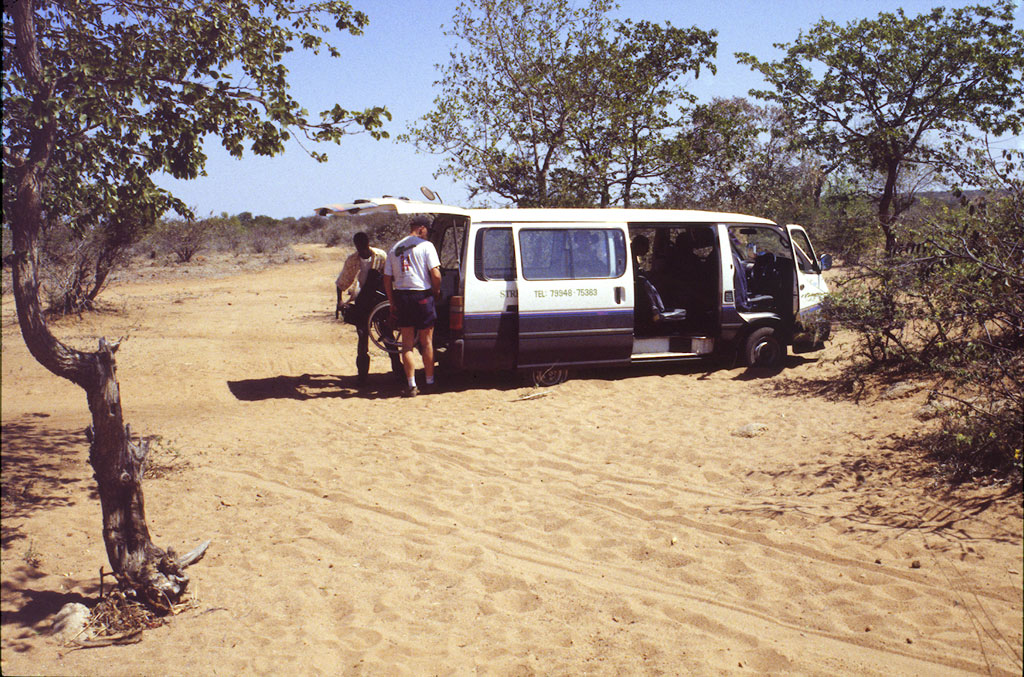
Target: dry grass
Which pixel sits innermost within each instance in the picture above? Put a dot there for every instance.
(117, 615)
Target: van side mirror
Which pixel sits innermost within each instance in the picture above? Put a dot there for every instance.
(825, 262)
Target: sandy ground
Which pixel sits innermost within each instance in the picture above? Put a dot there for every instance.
(617, 524)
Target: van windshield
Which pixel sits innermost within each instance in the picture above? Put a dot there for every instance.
(750, 241)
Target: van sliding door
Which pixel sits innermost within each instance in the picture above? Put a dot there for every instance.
(491, 301)
(575, 295)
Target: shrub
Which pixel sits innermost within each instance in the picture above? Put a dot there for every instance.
(266, 239)
(334, 236)
(847, 224)
(185, 238)
(950, 304)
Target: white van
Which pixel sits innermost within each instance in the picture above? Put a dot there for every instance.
(544, 290)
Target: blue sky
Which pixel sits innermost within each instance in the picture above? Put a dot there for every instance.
(393, 64)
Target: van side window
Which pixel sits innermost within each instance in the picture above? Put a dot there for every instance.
(495, 257)
(572, 253)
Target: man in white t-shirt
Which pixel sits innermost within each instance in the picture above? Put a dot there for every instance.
(412, 281)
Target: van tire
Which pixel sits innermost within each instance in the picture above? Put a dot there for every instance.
(763, 349)
(550, 376)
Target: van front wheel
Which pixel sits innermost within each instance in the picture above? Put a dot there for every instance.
(764, 349)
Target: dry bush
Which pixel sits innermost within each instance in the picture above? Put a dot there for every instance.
(185, 238)
(951, 307)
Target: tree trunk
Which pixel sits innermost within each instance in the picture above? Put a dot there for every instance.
(885, 207)
(119, 463)
(106, 259)
(155, 576)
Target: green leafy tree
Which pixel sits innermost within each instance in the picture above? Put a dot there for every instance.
(709, 157)
(500, 121)
(886, 93)
(735, 156)
(628, 105)
(546, 104)
(97, 97)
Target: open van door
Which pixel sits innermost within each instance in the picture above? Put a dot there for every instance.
(392, 205)
(575, 287)
(811, 329)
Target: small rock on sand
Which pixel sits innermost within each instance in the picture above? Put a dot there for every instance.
(898, 390)
(930, 410)
(69, 622)
(751, 430)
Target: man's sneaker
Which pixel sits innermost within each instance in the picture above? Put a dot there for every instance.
(411, 391)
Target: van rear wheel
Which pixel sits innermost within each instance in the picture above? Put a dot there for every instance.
(764, 349)
(550, 376)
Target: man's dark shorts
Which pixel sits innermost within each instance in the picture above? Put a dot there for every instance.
(415, 309)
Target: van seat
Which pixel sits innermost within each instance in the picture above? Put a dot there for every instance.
(746, 298)
(659, 313)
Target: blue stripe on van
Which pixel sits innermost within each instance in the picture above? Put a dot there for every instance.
(490, 339)
(575, 321)
(543, 338)
(575, 337)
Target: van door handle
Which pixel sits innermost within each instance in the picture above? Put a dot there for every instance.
(620, 294)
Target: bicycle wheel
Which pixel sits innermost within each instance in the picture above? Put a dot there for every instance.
(380, 330)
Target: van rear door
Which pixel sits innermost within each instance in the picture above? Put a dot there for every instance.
(389, 205)
(575, 287)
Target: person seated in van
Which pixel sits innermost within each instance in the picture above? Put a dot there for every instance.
(640, 246)
(643, 307)
(650, 308)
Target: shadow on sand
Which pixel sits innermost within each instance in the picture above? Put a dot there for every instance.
(37, 469)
